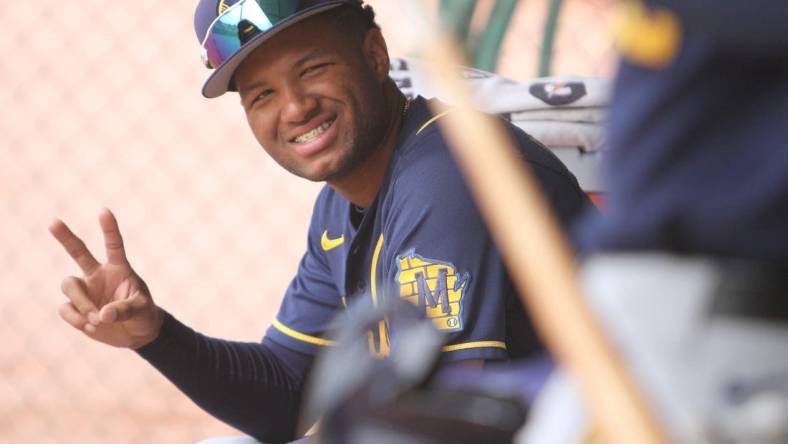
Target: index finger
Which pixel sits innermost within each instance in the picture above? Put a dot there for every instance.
(113, 241)
(73, 246)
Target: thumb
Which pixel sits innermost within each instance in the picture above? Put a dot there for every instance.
(123, 310)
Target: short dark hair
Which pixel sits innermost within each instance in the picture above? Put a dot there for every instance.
(357, 18)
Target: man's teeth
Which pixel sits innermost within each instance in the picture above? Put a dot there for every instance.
(312, 135)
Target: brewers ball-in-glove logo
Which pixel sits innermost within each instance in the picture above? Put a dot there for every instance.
(558, 93)
(435, 285)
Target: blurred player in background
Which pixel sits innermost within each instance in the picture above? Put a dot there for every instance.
(394, 220)
(688, 266)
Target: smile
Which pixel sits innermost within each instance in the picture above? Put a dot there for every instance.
(315, 133)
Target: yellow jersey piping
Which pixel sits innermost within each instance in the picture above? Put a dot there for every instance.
(478, 344)
(373, 285)
(301, 336)
(432, 120)
(372, 280)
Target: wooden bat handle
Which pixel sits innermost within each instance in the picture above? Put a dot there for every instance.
(535, 251)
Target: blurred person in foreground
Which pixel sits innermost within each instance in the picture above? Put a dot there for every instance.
(394, 219)
(688, 267)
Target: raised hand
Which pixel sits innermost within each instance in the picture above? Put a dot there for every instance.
(110, 303)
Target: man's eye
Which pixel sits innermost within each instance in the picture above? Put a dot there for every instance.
(263, 95)
(314, 68)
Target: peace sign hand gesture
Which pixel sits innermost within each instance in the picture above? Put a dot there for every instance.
(110, 303)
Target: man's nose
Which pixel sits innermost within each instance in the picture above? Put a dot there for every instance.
(299, 106)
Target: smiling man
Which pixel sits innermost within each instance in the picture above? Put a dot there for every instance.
(395, 219)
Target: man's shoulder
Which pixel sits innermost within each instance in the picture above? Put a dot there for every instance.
(426, 175)
(424, 160)
(426, 151)
(423, 144)
(537, 155)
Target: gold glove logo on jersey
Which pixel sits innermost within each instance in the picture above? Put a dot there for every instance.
(435, 285)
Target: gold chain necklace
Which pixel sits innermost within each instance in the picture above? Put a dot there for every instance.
(406, 107)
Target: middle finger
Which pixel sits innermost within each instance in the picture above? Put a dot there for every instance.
(76, 291)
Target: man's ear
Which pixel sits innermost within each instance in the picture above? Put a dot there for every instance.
(376, 53)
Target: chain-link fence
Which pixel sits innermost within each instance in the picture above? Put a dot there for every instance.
(101, 107)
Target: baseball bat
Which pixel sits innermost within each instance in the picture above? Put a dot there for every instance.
(542, 267)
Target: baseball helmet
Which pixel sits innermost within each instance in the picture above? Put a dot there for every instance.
(229, 30)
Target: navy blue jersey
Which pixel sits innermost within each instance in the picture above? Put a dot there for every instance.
(699, 132)
(423, 240)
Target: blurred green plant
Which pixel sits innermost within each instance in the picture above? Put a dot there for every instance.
(484, 48)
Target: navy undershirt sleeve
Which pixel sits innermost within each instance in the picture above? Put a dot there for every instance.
(255, 387)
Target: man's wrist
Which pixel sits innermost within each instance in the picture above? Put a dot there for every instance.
(158, 322)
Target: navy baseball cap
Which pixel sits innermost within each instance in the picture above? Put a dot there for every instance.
(229, 30)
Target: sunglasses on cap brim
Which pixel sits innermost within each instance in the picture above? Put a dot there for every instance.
(246, 19)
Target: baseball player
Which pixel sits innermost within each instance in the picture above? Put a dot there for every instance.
(394, 219)
(689, 266)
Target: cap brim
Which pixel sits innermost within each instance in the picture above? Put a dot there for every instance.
(219, 81)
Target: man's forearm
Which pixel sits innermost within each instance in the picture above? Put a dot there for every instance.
(247, 385)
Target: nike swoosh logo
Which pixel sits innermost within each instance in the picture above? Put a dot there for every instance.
(330, 244)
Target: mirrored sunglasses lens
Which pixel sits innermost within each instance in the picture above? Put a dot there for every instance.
(224, 38)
